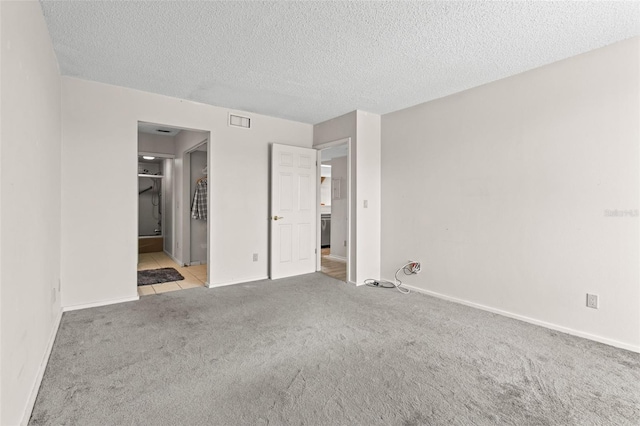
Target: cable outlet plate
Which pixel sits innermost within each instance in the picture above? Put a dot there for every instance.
(592, 301)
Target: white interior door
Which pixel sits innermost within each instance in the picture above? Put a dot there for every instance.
(293, 210)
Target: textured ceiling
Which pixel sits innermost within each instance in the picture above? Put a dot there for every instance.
(311, 61)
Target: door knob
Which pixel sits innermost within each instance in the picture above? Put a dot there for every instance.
(278, 217)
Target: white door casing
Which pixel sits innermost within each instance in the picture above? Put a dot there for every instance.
(293, 211)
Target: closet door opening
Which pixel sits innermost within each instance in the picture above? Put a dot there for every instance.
(198, 214)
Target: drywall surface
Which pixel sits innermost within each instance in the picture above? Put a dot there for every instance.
(522, 195)
(30, 225)
(339, 207)
(368, 195)
(156, 144)
(99, 229)
(168, 225)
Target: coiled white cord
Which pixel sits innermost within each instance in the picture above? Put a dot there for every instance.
(409, 268)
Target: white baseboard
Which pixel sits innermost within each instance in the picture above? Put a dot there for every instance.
(173, 258)
(534, 321)
(102, 303)
(43, 366)
(336, 258)
(241, 281)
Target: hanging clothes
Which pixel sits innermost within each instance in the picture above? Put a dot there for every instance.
(199, 205)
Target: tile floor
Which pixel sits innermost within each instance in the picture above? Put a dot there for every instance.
(194, 276)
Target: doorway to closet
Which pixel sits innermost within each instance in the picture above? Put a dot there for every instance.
(173, 228)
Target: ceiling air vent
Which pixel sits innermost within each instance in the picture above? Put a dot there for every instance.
(239, 121)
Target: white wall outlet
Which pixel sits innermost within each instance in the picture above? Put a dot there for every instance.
(255, 257)
(414, 266)
(53, 295)
(366, 204)
(592, 301)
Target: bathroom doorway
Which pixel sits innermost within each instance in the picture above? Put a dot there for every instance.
(167, 239)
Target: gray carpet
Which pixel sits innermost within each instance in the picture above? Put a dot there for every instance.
(312, 350)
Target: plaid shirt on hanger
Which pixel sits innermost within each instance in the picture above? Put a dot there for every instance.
(199, 205)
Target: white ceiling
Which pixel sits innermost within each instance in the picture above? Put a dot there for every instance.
(311, 61)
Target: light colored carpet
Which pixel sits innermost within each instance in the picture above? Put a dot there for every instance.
(312, 350)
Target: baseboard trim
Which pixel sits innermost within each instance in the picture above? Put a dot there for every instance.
(43, 366)
(102, 303)
(173, 258)
(534, 321)
(242, 281)
(336, 258)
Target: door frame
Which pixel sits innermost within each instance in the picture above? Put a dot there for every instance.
(319, 147)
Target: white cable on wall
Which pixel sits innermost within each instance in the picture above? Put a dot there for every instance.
(409, 268)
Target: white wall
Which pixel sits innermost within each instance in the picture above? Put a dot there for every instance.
(364, 130)
(30, 207)
(156, 144)
(168, 225)
(238, 185)
(501, 192)
(339, 208)
(368, 128)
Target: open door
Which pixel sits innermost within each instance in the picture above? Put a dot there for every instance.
(293, 211)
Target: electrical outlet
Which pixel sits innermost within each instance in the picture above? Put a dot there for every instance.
(414, 266)
(345, 243)
(255, 257)
(53, 295)
(592, 301)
